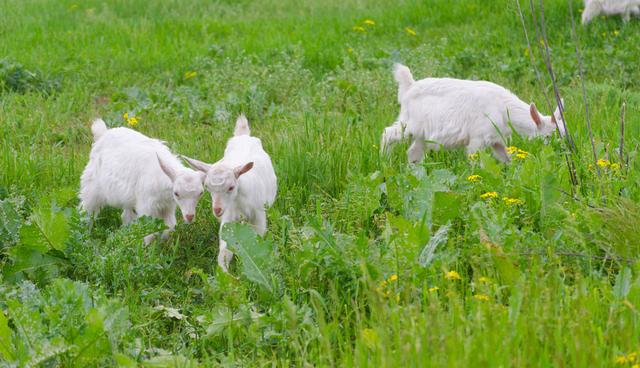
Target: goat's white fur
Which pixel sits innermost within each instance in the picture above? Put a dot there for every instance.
(449, 113)
(242, 184)
(625, 8)
(138, 174)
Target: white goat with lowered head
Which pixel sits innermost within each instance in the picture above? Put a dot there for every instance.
(138, 174)
(242, 184)
(450, 113)
(625, 8)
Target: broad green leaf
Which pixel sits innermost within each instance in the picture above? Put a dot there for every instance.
(124, 361)
(10, 222)
(446, 206)
(170, 361)
(49, 229)
(32, 262)
(223, 318)
(256, 255)
(6, 348)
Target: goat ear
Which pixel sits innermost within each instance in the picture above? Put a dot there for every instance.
(535, 115)
(242, 169)
(198, 165)
(166, 169)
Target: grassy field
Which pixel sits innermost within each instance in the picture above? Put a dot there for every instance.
(368, 261)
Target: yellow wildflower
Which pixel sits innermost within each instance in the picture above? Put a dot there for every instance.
(616, 32)
(521, 156)
(393, 278)
(452, 275)
(125, 115)
(370, 337)
(635, 366)
(410, 31)
(603, 163)
(359, 29)
(632, 356)
(433, 289)
(489, 195)
(132, 121)
(621, 359)
(615, 166)
(474, 178)
(484, 280)
(189, 75)
(369, 22)
(512, 149)
(474, 156)
(481, 297)
(512, 201)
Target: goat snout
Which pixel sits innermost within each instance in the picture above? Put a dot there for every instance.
(188, 218)
(218, 211)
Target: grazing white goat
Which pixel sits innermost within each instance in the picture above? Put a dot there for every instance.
(450, 113)
(138, 174)
(625, 8)
(242, 184)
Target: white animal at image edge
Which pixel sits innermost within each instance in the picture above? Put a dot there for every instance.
(138, 174)
(624, 8)
(242, 184)
(452, 113)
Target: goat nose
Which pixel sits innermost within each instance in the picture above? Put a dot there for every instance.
(217, 211)
(189, 218)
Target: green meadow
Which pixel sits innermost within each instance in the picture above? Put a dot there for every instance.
(368, 261)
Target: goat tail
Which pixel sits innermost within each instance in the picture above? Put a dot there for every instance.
(242, 126)
(403, 76)
(98, 128)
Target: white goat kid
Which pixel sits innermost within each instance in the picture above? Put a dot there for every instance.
(450, 113)
(242, 184)
(138, 174)
(625, 8)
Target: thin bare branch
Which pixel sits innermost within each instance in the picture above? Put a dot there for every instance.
(622, 112)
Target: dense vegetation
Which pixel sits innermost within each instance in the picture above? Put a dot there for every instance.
(368, 261)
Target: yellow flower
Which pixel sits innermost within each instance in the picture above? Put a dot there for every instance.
(410, 31)
(433, 289)
(132, 121)
(521, 156)
(603, 163)
(481, 297)
(474, 178)
(512, 149)
(489, 195)
(393, 278)
(615, 166)
(616, 32)
(512, 201)
(125, 115)
(474, 156)
(189, 75)
(359, 29)
(632, 356)
(621, 359)
(370, 337)
(484, 280)
(635, 366)
(369, 22)
(452, 275)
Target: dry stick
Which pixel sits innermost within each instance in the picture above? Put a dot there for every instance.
(567, 155)
(584, 90)
(623, 109)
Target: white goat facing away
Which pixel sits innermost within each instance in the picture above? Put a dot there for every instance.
(138, 174)
(625, 8)
(242, 184)
(450, 113)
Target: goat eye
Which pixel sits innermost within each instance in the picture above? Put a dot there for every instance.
(231, 189)
(176, 194)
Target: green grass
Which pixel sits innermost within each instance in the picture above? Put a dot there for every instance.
(554, 281)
